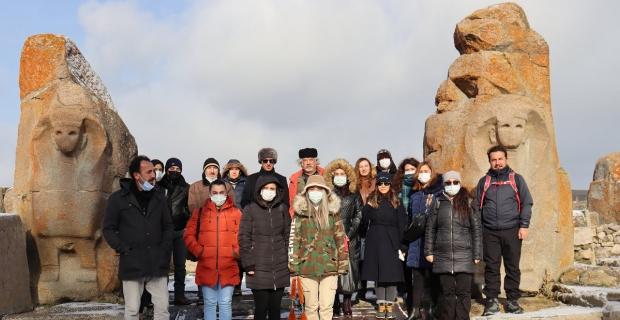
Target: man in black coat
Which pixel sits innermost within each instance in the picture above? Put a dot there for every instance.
(177, 192)
(506, 205)
(267, 157)
(137, 225)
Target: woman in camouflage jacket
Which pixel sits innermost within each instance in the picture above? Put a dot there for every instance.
(317, 251)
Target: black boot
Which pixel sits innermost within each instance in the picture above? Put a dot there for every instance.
(337, 307)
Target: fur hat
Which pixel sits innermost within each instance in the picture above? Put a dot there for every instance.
(234, 163)
(316, 181)
(343, 164)
(384, 177)
(451, 175)
(308, 153)
(265, 153)
(172, 162)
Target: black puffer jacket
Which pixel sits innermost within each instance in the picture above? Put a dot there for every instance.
(249, 194)
(144, 240)
(176, 196)
(454, 243)
(500, 209)
(351, 214)
(264, 237)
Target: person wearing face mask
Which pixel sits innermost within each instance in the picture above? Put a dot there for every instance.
(267, 158)
(176, 190)
(385, 163)
(506, 207)
(200, 190)
(403, 186)
(428, 185)
(309, 163)
(385, 252)
(341, 179)
(366, 174)
(144, 245)
(159, 169)
(317, 225)
(453, 244)
(217, 250)
(264, 240)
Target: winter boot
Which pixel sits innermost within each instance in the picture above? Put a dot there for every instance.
(346, 307)
(492, 307)
(380, 310)
(389, 310)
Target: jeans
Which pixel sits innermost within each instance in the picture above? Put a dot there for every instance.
(132, 291)
(179, 255)
(218, 295)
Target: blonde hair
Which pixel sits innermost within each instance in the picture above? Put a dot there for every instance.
(320, 214)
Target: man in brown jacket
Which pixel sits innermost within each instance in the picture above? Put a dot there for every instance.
(200, 190)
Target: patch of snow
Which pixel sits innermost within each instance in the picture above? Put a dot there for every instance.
(550, 313)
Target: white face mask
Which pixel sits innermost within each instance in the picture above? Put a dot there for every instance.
(315, 196)
(452, 190)
(412, 172)
(340, 180)
(159, 175)
(268, 195)
(210, 179)
(385, 163)
(424, 177)
(218, 199)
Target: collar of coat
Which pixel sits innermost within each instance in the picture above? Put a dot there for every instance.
(300, 205)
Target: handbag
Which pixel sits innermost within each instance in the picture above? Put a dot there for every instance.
(190, 256)
(417, 226)
(296, 288)
(349, 283)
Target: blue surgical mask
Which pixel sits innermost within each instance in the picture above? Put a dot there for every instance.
(340, 180)
(452, 190)
(315, 196)
(145, 185)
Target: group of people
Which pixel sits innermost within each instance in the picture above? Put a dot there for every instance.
(336, 228)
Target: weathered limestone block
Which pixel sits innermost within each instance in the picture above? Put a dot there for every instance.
(2, 192)
(583, 236)
(498, 92)
(604, 193)
(72, 149)
(14, 278)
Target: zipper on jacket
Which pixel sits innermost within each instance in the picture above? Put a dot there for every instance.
(273, 267)
(451, 234)
(217, 239)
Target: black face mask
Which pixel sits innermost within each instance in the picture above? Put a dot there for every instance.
(174, 176)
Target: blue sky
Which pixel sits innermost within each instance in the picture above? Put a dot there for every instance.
(242, 74)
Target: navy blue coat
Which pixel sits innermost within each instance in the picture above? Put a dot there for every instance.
(417, 203)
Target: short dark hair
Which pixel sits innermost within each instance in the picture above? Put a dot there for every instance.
(218, 182)
(134, 165)
(498, 148)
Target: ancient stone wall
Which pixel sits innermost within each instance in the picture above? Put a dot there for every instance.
(72, 149)
(498, 92)
(604, 193)
(14, 279)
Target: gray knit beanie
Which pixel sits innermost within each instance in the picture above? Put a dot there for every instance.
(265, 153)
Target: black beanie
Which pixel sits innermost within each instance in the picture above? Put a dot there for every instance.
(174, 162)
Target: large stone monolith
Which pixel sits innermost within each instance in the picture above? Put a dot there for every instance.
(497, 92)
(604, 193)
(72, 148)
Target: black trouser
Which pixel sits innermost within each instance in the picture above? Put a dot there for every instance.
(418, 286)
(497, 244)
(145, 300)
(408, 284)
(386, 291)
(240, 272)
(267, 302)
(457, 294)
(179, 254)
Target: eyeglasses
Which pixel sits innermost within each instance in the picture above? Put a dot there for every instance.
(268, 161)
(449, 183)
(381, 184)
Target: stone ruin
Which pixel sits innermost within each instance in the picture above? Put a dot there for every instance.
(72, 149)
(604, 193)
(498, 92)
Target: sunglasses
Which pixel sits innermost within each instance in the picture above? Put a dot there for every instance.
(449, 183)
(381, 184)
(268, 161)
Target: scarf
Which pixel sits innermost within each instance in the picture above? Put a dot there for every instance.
(404, 192)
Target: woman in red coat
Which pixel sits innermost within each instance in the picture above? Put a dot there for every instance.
(217, 250)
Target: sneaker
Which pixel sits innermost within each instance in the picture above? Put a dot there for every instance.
(514, 307)
(491, 308)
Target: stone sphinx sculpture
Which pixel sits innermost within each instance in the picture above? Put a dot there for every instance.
(72, 149)
(497, 92)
